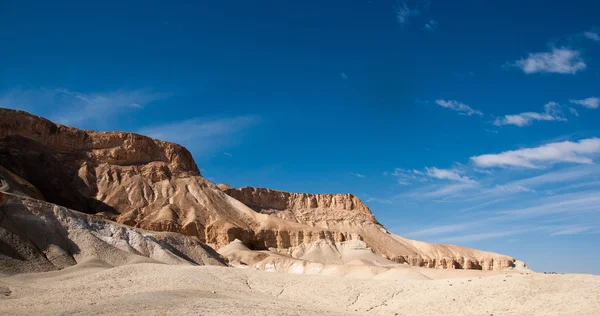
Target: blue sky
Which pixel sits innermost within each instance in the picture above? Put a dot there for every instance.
(467, 122)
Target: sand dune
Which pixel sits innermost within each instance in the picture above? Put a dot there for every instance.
(93, 288)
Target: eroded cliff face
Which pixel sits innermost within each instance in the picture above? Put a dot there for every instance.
(155, 185)
(36, 236)
(113, 148)
(345, 212)
(138, 181)
(311, 209)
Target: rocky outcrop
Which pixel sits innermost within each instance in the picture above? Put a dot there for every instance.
(345, 212)
(310, 209)
(37, 236)
(113, 148)
(155, 185)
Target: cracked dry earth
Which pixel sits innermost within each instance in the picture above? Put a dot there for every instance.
(156, 289)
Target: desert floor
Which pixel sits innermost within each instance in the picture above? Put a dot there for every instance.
(93, 288)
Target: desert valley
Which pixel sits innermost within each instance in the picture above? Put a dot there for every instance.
(120, 223)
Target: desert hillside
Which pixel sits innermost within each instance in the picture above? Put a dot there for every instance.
(156, 186)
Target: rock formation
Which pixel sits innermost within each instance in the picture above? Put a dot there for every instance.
(155, 185)
(347, 214)
(37, 236)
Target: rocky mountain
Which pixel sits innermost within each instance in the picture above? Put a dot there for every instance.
(156, 186)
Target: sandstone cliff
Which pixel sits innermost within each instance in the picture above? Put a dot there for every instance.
(155, 185)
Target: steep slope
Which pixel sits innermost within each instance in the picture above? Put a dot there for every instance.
(38, 236)
(345, 212)
(155, 185)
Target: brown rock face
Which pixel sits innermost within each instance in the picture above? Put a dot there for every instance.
(155, 185)
(63, 162)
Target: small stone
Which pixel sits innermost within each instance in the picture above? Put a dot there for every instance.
(4, 291)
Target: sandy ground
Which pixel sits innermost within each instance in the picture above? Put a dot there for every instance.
(94, 288)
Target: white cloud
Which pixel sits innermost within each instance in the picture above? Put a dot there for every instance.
(446, 174)
(403, 13)
(593, 36)
(459, 107)
(201, 135)
(552, 113)
(559, 60)
(590, 103)
(358, 175)
(343, 75)
(228, 154)
(567, 151)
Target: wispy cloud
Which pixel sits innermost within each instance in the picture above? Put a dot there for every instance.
(443, 229)
(407, 177)
(71, 107)
(559, 176)
(228, 154)
(343, 75)
(358, 175)
(593, 36)
(481, 236)
(443, 191)
(590, 103)
(572, 230)
(410, 176)
(567, 151)
(573, 112)
(378, 200)
(446, 174)
(510, 188)
(571, 203)
(202, 135)
(431, 25)
(552, 113)
(459, 107)
(88, 106)
(559, 60)
(404, 13)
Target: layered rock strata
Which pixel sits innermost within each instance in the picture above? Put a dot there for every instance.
(155, 185)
